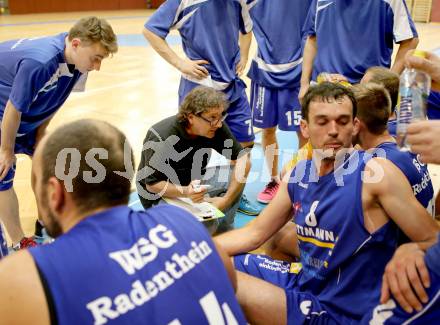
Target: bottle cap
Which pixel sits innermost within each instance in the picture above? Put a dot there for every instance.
(420, 53)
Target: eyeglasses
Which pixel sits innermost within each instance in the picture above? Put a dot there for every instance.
(216, 121)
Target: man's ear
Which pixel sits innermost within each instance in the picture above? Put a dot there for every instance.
(190, 118)
(76, 42)
(56, 194)
(304, 126)
(357, 124)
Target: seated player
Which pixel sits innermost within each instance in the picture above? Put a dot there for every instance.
(110, 263)
(412, 278)
(390, 80)
(348, 208)
(373, 111)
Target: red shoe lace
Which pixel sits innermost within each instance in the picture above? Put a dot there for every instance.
(27, 242)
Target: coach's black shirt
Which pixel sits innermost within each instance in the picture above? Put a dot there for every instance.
(170, 154)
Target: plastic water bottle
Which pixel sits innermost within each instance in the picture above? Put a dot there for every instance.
(413, 92)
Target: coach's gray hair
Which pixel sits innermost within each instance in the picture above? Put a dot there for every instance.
(199, 100)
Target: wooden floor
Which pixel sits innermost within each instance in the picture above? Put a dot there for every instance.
(133, 90)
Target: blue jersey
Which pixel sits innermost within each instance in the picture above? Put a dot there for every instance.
(392, 127)
(278, 30)
(35, 78)
(433, 105)
(157, 266)
(209, 31)
(342, 262)
(415, 171)
(354, 35)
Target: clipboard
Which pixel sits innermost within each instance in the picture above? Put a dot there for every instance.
(203, 211)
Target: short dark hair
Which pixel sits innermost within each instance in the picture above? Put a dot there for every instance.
(325, 92)
(84, 135)
(387, 78)
(374, 106)
(199, 100)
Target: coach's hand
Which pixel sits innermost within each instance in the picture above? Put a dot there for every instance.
(194, 68)
(406, 277)
(195, 191)
(7, 159)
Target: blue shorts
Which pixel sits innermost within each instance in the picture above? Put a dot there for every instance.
(391, 313)
(272, 107)
(302, 307)
(433, 105)
(25, 145)
(239, 118)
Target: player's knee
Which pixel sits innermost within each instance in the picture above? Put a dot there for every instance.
(269, 131)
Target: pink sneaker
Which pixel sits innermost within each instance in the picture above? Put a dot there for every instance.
(268, 193)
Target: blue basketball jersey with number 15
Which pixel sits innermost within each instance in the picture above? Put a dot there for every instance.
(342, 262)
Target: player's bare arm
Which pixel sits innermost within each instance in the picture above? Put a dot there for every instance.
(395, 197)
(245, 41)
(23, 300)
(310, 49)
(9, 127)
(404, 47)
(259, 230)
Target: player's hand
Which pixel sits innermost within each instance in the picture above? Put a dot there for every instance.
(241, 65)
(302, 91)
(196, 192)
(430, 65)
(406, 278)
(336, 78)
(7, 159)
(218, 201)
(423, 138)
(194, 68)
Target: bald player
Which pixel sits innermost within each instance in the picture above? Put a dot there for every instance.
(108, 262)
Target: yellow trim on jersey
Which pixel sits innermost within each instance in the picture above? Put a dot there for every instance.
(316, 242)
(295, 268)
(305, 152)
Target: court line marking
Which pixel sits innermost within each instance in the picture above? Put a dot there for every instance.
(88, 92)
